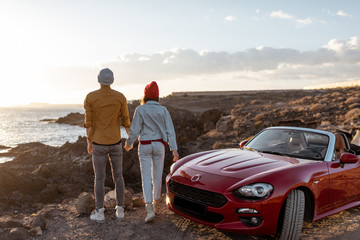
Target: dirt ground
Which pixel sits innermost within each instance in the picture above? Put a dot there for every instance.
(66, 223)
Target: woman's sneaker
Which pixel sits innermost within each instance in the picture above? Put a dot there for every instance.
(150, 212)
(119, 212)
(98, 215)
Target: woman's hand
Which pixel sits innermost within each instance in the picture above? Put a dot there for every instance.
(175, 155)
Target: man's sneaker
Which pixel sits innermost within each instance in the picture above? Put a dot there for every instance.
(119, 212)
(98, 215)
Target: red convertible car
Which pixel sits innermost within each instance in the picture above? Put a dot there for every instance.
(280, 178)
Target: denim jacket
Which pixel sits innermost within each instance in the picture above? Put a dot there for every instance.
(152, 121)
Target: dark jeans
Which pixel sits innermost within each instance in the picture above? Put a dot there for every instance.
(101, 154)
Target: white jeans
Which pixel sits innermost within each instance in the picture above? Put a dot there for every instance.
(151, 164)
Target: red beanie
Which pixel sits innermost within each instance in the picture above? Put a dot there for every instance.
(151, 90)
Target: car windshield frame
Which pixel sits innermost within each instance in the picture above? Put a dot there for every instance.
(314, 144)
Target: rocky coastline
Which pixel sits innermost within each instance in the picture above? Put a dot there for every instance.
(42, 176)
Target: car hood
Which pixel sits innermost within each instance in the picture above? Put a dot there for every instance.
(240, 163)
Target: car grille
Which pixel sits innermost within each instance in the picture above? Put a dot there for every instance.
(197, 195)
(195, 210)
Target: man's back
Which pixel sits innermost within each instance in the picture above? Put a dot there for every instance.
(105, 110)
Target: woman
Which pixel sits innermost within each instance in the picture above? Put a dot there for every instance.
(153, 125)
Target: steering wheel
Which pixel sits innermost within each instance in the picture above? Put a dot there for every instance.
(312, 150)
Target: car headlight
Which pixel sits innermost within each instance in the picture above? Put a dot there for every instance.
(172, 168)
(254, 191)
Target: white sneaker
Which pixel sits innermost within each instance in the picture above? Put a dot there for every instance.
(98, 215)
(119, 212)
(150, 212)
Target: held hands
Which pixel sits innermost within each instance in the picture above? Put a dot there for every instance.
(175, 155)
(127, 148)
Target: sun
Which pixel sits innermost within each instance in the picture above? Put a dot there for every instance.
(20, 82)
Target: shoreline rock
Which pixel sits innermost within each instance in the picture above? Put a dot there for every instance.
(76, 119)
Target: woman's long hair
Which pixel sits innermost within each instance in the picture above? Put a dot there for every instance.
(145, 99)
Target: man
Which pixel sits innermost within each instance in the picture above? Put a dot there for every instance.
(105, 110)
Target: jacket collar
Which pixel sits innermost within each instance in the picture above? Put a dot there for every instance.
(152, 103)
(105, 87)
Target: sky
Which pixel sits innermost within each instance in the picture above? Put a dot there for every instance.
(51, 51)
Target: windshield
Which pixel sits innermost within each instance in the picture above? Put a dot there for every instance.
(290, 142)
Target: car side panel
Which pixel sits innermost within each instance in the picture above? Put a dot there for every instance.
(344, 183)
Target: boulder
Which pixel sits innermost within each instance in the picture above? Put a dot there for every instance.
(260, 116)
(137, 202)
(224, 124)
(110, 199)
(316, 107)
(38, 220)
(36, 231)
(209, 117)
(15, 234)
(208, 126)
(128, 198)
(352, 100)
(352, 114)
(317, 115)
(85, 203)
(354, 105)
(11, 224)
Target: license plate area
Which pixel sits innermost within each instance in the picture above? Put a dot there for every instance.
(191, 206)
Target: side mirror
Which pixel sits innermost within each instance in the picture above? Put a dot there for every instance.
(242, 143)
(348, 158)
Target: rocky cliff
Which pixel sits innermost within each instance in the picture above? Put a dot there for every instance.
(42, 174)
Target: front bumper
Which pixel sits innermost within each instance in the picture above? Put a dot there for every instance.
(226, 216)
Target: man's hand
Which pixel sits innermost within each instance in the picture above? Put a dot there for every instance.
(89, 143)
(127, 148)
(175, 155)
(89, 146)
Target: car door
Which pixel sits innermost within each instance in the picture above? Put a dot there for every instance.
(344, 182)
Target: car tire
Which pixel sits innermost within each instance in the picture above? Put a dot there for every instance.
(293, 215)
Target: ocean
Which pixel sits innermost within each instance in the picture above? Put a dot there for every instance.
(24, 125)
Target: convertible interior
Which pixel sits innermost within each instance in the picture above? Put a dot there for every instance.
(342, 145)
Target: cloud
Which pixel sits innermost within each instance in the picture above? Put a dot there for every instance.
(230, 18)
(280, 14)
(256, 68)
(342, 14)
(299, 22)
(344, 48)
(177, 63)
(303, 22)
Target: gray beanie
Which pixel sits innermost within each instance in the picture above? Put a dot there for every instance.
(106, 77)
